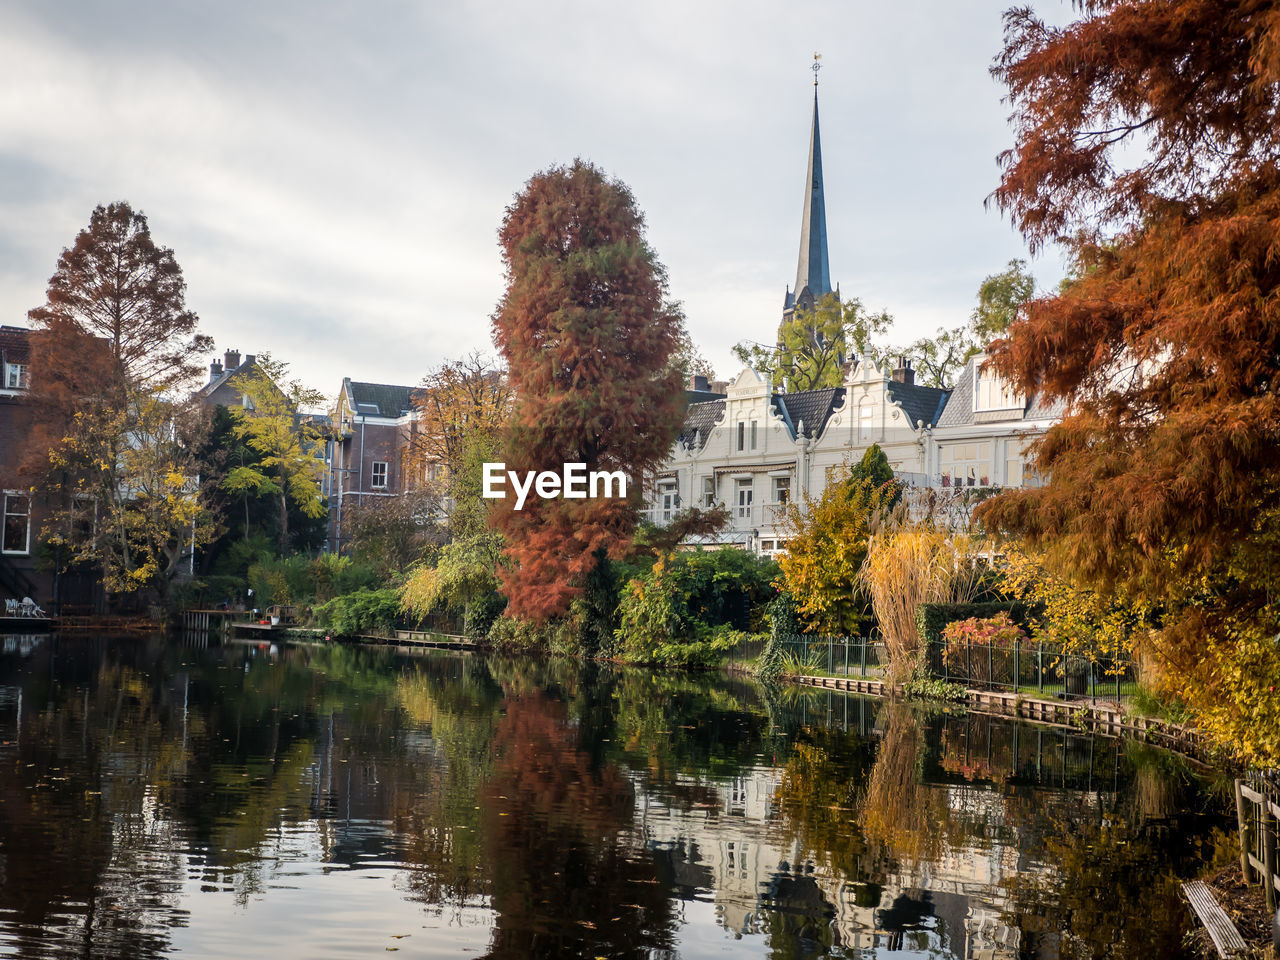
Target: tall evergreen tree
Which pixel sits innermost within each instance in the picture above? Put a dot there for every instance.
(588, 334)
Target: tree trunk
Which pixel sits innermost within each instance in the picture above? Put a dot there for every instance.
(284, 522)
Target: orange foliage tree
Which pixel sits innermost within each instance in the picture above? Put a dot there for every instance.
(455, 403)
(588, 334)
(1148, 142)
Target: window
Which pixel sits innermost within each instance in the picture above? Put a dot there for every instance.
(17, 523)
(865, 415)
(668, 501)
(753, 434)
(379, 475)
(781, 489)
(967, 464)
(742, 435)
(708, 492)
(992, 393)
(15, 376)
(744, 499)
(1013, 470)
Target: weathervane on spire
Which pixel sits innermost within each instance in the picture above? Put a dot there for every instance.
(816, 67)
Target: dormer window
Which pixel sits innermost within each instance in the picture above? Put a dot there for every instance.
(991, 392)
(15, 376)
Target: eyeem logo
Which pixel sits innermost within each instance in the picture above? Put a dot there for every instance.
(572, 483)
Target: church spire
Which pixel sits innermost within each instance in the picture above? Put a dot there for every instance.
(813, 272)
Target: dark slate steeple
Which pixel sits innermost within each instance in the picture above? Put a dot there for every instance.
(813, 271)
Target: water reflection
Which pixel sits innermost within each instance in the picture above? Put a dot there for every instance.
(231, 801)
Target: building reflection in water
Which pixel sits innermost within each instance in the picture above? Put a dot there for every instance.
(236, 800)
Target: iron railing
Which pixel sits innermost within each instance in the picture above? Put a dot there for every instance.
(1023, 667)
(1032, 668)
(836, 655)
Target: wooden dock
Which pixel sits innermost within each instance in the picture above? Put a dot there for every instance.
(1105, 717)
(1226, 938)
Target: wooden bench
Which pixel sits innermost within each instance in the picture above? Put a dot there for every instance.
(1226, 938)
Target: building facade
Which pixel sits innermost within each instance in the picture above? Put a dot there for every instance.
(758, 448)
(373, 428)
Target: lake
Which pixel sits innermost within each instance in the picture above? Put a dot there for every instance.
(170, 797)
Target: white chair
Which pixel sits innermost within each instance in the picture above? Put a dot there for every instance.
(28, 607)
(11, 607)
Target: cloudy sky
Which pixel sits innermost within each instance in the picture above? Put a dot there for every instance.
(331, 176)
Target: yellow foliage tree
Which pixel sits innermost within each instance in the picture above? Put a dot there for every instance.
(1072, 617)
(826, 545)
(271, 425)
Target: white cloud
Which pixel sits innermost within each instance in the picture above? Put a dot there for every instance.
(332, 177)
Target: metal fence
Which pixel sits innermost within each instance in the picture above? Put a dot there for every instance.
(838, 656)
(1029, 668)
(1032, 668)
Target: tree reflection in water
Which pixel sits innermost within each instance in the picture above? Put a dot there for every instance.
(562, 810)
(571, 879)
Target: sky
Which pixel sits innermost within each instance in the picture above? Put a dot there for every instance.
(331, 176)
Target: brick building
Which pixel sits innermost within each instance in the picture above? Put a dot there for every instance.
(373, 425)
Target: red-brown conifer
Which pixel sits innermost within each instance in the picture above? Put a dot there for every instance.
(588, 334)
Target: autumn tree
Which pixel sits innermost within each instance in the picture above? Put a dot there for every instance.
(114, 351)
(456, 402)
(273, 424)
(814, 344)
(588, 333)
(1147, 142)
(827, 539)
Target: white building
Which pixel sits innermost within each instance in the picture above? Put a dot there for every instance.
(753, 449)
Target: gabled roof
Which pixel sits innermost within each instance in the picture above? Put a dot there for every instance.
(701, 396)
(959, 407)
(923, 405)
(388, 400)
(209, 388)
(15, 344)
(813, 407)
(700, 418)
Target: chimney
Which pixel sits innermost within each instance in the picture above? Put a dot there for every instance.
(233, 359)
(903, 373)
(698, 382)
(250, 357)
(215, 371)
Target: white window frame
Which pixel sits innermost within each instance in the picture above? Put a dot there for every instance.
(373, 474)
(668, 500)
(4, 524)
(781, 485)
(754, 433)
(16, 376)
(708, 492)
(742, 435)
(866, 422)
(991, 393)
(744, 493)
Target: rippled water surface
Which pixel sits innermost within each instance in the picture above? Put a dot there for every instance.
(161, 798)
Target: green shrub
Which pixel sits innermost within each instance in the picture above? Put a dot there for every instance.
(361, 612)
(687, 596)
(783, 622)
(705, 652)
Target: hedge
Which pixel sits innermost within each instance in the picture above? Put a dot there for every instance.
(932, 618)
